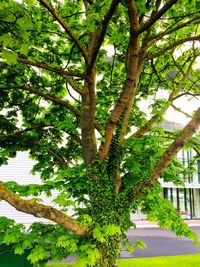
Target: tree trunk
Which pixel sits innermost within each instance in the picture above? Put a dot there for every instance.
(110, 252)
(107, 216)
(105, 262)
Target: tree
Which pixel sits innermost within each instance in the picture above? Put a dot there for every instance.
(77, 111)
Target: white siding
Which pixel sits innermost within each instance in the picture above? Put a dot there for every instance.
(19, 170)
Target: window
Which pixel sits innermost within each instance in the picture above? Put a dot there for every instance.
(198, 169)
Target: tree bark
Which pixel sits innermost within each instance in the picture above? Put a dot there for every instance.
(42, 211)
(131, 83)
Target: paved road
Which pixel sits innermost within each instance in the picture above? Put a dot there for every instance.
(160, 243)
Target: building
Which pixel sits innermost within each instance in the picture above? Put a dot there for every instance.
(186, 200)
(19, 170)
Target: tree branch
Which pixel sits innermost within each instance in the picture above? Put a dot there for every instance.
(150, 56)
(28, 129)
(61, 161)
(181, 111)
(74, 86)
(130, 85)
(186, 93)
(156, 15)
(56, 100)
(88, 112)
(147, 126)
(129, 106)
(101, 33)
(189, 165)
(191, 63)
(65, 26)
(50, 97)
(42, 211)
(196, 150)
(178, 27)
(169, 154)
(46, 66)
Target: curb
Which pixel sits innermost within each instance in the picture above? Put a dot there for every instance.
(147, 224)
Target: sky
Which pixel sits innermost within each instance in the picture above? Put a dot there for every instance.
(188, 106)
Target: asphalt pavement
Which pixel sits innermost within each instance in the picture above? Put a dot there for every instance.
(160, 242)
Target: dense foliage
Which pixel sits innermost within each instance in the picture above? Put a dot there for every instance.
(73, 75)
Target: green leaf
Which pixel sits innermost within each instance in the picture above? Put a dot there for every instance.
(130, 248)
(93, 256)
(24, 49)
(11, 57)
(97, 234)
(19, 249)
(140, 244)
(30, 2)
(37, 254)
(63, 241)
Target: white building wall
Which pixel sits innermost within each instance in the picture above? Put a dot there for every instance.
(19, 170)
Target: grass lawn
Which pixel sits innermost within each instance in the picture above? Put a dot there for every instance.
(169, 261)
